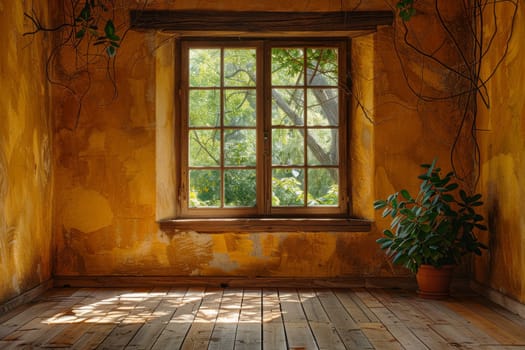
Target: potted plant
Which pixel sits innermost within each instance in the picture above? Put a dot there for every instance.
(429, 233)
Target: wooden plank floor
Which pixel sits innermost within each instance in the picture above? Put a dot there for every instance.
(198, 318)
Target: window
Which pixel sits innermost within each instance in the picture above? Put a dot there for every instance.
(263, 129)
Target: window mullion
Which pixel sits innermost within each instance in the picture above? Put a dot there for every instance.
(264, 86)
(305, 128)
(221, 126)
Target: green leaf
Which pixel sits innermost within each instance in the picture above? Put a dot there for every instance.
(405, 194)
(109, 29)
(447, 198)
(426, 228)
(379, 204)
(395, 221)
(478, 217)
(80, 33)
(452, 186)
(85, 13)
(475, 198)
(407, 212)
(386, 244)
(399, 258)
(412, 250)
(111, 51)
(403, 14)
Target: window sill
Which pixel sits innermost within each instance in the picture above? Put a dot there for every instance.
(221, 225)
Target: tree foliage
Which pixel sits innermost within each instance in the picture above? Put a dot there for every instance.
(304, 134)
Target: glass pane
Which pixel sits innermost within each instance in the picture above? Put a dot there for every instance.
(239, 188)
(323, 187)
(287, 187)
(287, 107)
(287, 66)
(205, 147)
(239, 67)
(239, 147)
(323, 107)
(287, 147)
(205, 188)
(240, 108)
(322, 66)
(204, 108)
(323, 148)
(205, 67)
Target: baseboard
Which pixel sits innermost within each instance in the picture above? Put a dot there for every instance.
(233, 282)
(26, 297)
(499, 298)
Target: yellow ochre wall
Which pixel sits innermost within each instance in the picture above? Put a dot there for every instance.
(113, 169)
(25, 155)
(502, 140)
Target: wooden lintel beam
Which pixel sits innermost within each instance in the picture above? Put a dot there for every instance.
(258, 22)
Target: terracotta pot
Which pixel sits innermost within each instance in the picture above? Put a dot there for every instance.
(434, 283)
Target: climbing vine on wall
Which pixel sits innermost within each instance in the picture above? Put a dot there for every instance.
(93, 25)
(406, 9)
(471, 35)
(87, 30)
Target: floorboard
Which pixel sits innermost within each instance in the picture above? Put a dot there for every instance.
(257, 318)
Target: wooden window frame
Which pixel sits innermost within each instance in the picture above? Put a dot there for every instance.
(264, 209)
(343, 45)
(182, 135)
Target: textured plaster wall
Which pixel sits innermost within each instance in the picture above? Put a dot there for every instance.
(25, 156)
(114, 171)
(503, 162)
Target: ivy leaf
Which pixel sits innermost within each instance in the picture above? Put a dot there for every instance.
(111, 51)
(80, 33)
(85, 13)
(109, 29)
